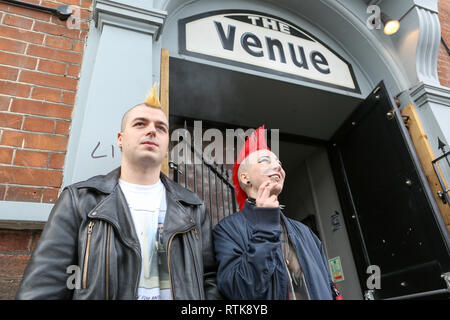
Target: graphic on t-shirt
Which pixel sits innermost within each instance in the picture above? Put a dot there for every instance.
(148, 207)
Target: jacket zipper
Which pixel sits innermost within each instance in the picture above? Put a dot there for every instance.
(107, 262)
(86, 255)
(195, 265)
(168, 256)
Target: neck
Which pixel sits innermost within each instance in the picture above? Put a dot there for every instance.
(140, 175)
(252, 193)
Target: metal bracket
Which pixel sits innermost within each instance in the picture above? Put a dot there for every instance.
(174, 166)
(444, 194)
(63, 12)
(405, 120)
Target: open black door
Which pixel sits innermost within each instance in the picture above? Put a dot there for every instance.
(392, 219)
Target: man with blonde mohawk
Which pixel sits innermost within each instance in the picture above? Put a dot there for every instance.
(130, 234)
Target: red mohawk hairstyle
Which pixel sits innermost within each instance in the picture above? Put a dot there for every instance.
(257, 141)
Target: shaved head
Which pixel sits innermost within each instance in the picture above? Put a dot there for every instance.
(125, 116)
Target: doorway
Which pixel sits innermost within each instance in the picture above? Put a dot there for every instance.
(326, 183)
(306, 118)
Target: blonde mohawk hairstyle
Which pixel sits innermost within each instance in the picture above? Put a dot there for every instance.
(152, 99)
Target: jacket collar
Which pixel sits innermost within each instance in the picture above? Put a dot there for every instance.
(114, 207)
(107, 183)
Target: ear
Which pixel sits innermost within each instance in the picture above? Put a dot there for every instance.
(119, 139)
(244, 177)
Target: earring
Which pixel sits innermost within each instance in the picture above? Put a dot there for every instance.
(248, 182)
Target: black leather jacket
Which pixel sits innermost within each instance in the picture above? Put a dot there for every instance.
(91, 228)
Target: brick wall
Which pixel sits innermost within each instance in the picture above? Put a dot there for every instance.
(444, 58)
(15, 251)
(40, 61)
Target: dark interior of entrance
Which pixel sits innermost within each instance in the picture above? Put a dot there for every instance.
(224, 99)
(306, 117)
(340, 174)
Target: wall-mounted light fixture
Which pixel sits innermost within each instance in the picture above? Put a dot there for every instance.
(391, 26)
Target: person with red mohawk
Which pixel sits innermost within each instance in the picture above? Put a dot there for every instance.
(261, 253)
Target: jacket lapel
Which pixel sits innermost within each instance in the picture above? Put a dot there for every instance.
(114, 207)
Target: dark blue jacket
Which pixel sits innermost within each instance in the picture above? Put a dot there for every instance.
(251, 264)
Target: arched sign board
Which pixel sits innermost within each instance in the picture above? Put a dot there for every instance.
(264, 43)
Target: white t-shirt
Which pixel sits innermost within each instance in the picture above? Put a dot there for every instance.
(147, 205)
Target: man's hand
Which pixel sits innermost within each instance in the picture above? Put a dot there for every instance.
(264, 197)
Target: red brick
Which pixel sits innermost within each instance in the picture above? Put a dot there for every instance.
(19, 34)
(12, 45)
(46, 94)
(62, 127)
(39, 125)
(15, 193)
(13, 266)
(29, 176)
(56, 161)
(9, 120)
(4, 103)
(85, 14)
(72, 2)
(41, 108)
(68, 98)
(15, 240)
(87, 4)
(48, 80)
(50, 195)
(83, 35)
(2, 191)
(54, 54)
(28, 158)
(50, 4)
(18, 21)
(73, 70)
(32, 13)
(6, 156)
(444, 58)
(78, 46)
(58, 42)
(8, 289)
(17, 60)
(37, 234)
(14, 89)
(52, 67)
(56, 30)
(34, 141)
(8, 73)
